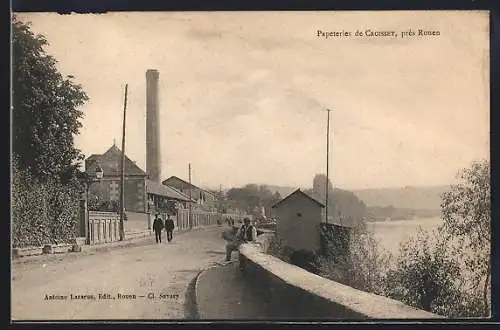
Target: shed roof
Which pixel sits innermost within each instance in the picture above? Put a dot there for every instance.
(155, 188)
(298, 191)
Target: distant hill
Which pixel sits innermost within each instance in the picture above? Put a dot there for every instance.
(415, 198)
(378, 213)
(423, 198)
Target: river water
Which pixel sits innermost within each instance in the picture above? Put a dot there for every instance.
(391, 233)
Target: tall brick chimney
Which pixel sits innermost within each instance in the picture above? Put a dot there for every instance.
(153, 166)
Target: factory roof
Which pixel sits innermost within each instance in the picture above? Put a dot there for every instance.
(155, 188)
(174, 178)
(111, 161)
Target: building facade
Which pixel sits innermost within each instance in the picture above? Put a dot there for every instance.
(108, 188)
(298, 219)
(141, 194)
(205, 200)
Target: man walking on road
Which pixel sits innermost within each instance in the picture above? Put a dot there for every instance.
(246, 233)
(169, 227)
(158, 227)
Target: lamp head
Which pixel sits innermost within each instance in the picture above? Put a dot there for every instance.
(99, 173)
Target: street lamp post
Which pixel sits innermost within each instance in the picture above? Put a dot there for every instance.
(98, 176)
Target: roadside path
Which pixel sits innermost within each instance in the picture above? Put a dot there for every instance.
(223, 293)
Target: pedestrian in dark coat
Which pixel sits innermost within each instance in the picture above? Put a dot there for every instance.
(169, 228)
(157, 228)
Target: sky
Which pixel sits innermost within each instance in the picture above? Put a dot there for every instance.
(243, 94)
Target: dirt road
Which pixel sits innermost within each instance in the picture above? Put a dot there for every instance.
(143, 282)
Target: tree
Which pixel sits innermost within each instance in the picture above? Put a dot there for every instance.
(466, 211)
(425, 276)
(354, 257)
(319, 187)
(448, 271)
(274, 199)
(252, 197)
(344, 206)
(44, 110)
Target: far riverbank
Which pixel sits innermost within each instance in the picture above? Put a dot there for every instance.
(391, 233)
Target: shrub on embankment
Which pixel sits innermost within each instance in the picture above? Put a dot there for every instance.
(42, 213)
(350, 257)
(361, 265)
(447, 272)
(428, 275)
(422, 276)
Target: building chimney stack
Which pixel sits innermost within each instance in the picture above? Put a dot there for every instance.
(153, 165)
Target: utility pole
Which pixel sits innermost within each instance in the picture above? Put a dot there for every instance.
(122, 181)
(327, 162)
(190, 219)
(220, 198)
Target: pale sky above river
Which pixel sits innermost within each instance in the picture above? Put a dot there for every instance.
(242, 94)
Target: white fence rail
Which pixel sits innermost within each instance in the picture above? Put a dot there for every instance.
(199, 218)
(104, 227)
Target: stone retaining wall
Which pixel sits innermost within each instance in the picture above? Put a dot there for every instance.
(45, 249)
(293, 293)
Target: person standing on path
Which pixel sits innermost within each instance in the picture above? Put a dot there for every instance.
(246, 233)
(158, 227)
(169, 227)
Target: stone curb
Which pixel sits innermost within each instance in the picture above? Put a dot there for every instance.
(196, 303)
(192, 295)
(260, 246)
(198, 314)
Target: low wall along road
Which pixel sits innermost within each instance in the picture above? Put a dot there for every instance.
(104, 230)
(293, 293)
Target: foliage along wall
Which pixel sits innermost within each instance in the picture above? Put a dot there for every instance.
(42, 213)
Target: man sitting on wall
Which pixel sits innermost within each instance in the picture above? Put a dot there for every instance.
(246, 233)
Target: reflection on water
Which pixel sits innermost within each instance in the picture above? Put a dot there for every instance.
(391, 233)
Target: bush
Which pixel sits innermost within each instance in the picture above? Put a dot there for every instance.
(428, 277)
(104, 206)
(42, 213)
(305, 259)
(448, 271)
(362, 266)
(368, 261)
(423, 277)
(63, 213)
(352, 258)
(277, 249)
(29, 210)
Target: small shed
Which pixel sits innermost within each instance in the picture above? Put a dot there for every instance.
(298, 219)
